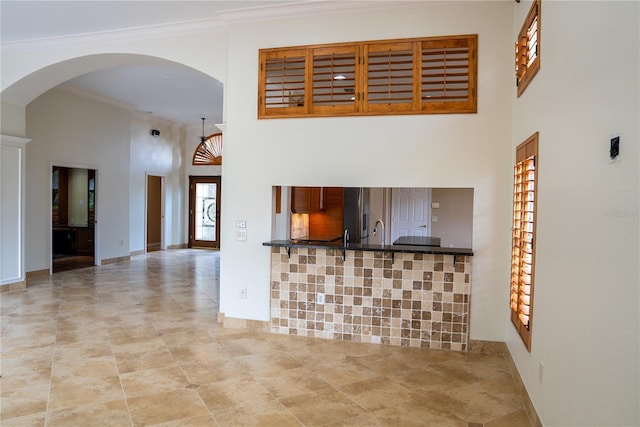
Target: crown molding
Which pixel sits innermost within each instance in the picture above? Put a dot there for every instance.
(138, 33)
(310, 8)
(220, 22)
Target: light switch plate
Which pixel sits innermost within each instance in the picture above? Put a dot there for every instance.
(241, 234)
(435, 205)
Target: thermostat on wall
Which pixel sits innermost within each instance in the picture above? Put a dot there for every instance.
(614, 146)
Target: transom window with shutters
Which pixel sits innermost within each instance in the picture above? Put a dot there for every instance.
(524, 237)
(528, 48)
(408, 76)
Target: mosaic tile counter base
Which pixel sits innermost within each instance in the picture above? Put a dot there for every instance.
(416, 300)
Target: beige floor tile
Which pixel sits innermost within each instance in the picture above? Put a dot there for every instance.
(19, 405)
(418, 416)
(130, 362)
(201, 373)
(518, 418)
(32, 420)
(104, 414)
(322, 407)
(342, 373)
(199, 421)
(150, 381)
(78, 391)
(293, 382)
(377, 393)
(164, 407)
(66, 371)
(262, 414)
(78, 342)
(268, 363)
(82, 350)
(232, 394)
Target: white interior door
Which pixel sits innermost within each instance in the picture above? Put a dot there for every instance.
(410, 212)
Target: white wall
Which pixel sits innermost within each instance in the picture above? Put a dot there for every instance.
(161, 156)
(455, 216)
(69, 130)
(402, 151)
(586, 301)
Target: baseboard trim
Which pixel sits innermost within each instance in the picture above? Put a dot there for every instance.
(499, 347)
(37, 273)
(116, 260)
(250, 325)
(15, 286)
(180, 246)
(135, 253)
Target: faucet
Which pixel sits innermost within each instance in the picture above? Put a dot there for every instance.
(375, 230)
(345, 239)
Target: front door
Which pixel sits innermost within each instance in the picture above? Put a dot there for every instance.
(411, 211)
(204, 211)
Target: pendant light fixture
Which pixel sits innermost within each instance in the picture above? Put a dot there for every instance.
(202, 138)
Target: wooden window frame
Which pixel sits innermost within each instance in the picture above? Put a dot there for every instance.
(209, 151)
(523, 247)
(273, 101)
(524, 68)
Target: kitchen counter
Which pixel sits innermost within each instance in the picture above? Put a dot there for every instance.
(338, 245)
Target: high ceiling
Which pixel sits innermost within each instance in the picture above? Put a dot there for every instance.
(168, 91)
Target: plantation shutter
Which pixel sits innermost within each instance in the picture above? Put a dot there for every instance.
(523, 238)
(334, 79)
(448, 75)
(283, 82)
(389, 77)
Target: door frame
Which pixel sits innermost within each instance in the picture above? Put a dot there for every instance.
(193, 180)
(162, 209)
(97, 258)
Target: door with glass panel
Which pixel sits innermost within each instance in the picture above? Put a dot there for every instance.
(204, 211)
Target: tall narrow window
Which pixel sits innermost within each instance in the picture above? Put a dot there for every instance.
(528, 49)
(524, 237)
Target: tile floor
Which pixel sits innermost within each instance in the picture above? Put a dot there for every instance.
(137, 344)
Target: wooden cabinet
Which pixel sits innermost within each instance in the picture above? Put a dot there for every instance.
(307, 199)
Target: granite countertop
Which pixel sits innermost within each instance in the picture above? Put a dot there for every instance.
(371, 248)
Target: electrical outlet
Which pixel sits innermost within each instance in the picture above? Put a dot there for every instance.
(243, 293)
(241, 224)
(319, 298)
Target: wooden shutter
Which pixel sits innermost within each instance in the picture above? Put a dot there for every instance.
(283, 87)
(334, 81)
(209, 151)
(523, 237)
(528, 48)
(389, 77)
(448, 74)
(405, 76)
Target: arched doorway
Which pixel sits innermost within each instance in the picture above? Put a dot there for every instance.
(90, 129)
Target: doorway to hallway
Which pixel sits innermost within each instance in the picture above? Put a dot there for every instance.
(154, 213)
(204, 211)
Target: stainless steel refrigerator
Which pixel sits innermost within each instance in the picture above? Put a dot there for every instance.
(356, 214)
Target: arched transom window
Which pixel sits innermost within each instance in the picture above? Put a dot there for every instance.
(209, 151)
